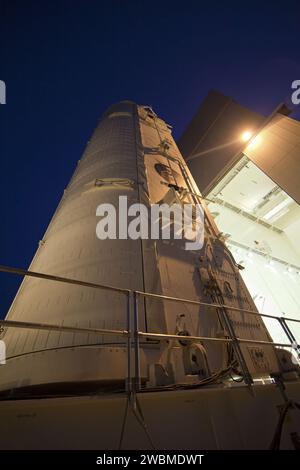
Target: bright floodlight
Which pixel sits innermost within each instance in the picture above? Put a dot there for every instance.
(246, 136)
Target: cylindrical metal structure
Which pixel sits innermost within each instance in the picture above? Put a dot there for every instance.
(70, 248)
(131, 153)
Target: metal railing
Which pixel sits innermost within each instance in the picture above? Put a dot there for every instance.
(133, 334)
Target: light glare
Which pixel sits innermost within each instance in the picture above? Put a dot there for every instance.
(246, 136)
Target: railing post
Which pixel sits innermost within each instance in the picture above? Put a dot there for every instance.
(137, 379)
(286, 329)
(128, 381)
(237, 348)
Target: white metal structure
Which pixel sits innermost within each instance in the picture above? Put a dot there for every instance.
(93, 315)
(131, 153)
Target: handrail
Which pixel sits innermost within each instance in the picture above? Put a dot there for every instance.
(66, 329)
(134, 334)
(24, 272)
(141, 334)
(208, 338)
(207, 304)
(66, 280)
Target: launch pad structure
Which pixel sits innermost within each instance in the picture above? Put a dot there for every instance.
(108, 338)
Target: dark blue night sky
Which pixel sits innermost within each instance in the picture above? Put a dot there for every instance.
(64, 62)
